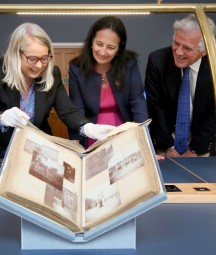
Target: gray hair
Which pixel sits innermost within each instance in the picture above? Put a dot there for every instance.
(19, 40)
(190, 23)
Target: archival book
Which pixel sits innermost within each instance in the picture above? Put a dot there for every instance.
(81, 189)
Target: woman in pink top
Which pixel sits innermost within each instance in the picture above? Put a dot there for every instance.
(104, 81)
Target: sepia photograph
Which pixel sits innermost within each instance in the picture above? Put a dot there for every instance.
(47, 170)
(98, 161)
(64, 202)
(125, 162)
(101, 201)
(69, 172)
(31, 146)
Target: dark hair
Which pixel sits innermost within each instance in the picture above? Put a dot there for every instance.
(86, 60)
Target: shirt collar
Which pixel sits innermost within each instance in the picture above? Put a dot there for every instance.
(195, 66)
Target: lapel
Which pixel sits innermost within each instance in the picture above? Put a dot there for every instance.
(203, 85)
(117, 92)
(173, 79)
(92, 90)
(14, 97)
(40, 105)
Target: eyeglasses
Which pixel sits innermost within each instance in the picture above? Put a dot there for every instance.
(32, 60)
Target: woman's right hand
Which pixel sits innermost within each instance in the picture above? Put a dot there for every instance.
(14, 117)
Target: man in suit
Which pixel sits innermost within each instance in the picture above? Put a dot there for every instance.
(162, 82)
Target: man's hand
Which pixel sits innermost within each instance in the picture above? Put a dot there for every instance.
(159, 157)
(96, 131)
(189, 153)
(14, 117)
(172, 152)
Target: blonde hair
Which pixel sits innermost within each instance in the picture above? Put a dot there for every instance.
(19, 40)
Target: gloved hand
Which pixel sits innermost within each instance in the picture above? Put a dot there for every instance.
(14, 117)
(96, 131)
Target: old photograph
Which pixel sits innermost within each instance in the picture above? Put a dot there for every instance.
(69, 172)
(31, 146)
(65, 202)
(101, 201)
(125, 162)
(46, 169)
(98, 161)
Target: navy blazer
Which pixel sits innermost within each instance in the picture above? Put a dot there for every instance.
(44, 101)
(85, 91)
(162, 84)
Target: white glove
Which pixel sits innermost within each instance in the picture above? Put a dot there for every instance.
(14, 117)
(96, 131)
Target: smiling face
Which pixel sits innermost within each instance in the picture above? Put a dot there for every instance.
(185, 48)
(105, 46)
(30, 71)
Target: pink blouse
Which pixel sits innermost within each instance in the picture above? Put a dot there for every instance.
(108, 111)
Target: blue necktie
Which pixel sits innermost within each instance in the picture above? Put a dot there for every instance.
(183, 114)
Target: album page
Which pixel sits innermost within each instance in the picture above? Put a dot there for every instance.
(43, 176)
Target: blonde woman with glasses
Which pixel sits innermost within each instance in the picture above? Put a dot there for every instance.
(30, 86)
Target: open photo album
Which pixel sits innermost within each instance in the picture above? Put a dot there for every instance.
(60, 186)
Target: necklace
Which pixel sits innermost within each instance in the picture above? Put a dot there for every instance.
(104, 82)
